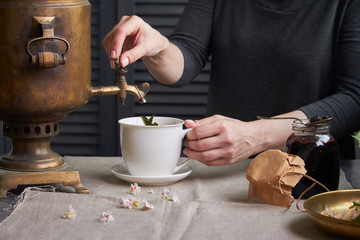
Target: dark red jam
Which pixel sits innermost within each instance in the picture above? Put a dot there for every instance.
(321, 156)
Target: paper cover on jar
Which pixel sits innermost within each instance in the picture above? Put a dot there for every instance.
(272, 175)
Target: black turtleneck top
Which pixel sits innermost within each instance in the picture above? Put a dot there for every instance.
(271, 56)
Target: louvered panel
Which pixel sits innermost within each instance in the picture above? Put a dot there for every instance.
(177, 98)
(78, 149)
(95, 77)
(161, 21)
(95, 52)
(80, 139)
(89, 108)
(94, 30)
(94, 63)
(186, 102)
(143, 76)
(171, 110)
(79, 131)
(5, 143)
(81, 117)
(148, 9)
(162, 15)
(81, 128)
(193, 88)
(141, 66)
(162, 1)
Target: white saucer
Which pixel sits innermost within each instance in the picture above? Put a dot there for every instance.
(121, 172)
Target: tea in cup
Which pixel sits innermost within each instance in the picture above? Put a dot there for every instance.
(152, 150)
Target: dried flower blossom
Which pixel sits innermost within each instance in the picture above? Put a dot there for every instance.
(106, 217)
(70, 213)
(131, 202)
(169, 195)
(151, 191)
(135, 189)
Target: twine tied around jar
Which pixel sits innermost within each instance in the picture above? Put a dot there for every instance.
(302, 194)
(273, 174)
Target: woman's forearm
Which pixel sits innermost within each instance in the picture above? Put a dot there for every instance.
(167, 66)
(276, 132)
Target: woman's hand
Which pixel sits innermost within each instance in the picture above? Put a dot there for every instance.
(132, 38)
(220, 140)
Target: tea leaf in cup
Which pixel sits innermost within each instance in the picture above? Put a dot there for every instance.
(357, 137)
(149, 121)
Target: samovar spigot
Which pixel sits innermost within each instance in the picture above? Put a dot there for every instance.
(125, 88)
(122, 88)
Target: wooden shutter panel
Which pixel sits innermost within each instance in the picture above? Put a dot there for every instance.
(79, 131)
(186, 102)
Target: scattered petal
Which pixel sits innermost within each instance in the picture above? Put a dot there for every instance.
(135, 189)
(106, 217)
(145, 205)
(131, 202)
(169, 195)
(70, 213)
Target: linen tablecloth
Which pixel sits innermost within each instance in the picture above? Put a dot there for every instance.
(213, 205)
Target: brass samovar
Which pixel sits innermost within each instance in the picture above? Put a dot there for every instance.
(45, 73)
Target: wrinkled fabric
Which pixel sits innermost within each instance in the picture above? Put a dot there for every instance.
(212, 204)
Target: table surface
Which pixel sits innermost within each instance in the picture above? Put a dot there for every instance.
(213, 205)
(352, 172)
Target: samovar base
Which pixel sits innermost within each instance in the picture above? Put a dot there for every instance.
(67, 175)
(31, 150)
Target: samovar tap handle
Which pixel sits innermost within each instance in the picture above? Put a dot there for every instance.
(131, 89)
(122, 88)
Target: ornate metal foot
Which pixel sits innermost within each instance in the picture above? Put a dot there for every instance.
(67, 175)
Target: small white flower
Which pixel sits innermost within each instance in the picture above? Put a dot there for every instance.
(135, 189)
(131, 202)
(170, 196)
(70, 213)
(144, 205)
(106, 217)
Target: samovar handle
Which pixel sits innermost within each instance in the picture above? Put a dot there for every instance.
(47, 59)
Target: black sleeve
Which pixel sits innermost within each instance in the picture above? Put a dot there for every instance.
(193, 36)
(344, 104)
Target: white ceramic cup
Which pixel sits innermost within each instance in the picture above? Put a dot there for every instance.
(152, 150)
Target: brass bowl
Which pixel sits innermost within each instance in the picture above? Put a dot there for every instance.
(341, 199)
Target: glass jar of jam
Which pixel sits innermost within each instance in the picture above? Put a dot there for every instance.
(313, 142)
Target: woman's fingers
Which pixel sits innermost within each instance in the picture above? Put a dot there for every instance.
(132, 39)
(219, 140)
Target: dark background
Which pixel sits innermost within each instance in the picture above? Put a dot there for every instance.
(93, 129)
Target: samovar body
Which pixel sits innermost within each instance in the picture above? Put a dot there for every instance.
(45, 73)
(30, 93)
